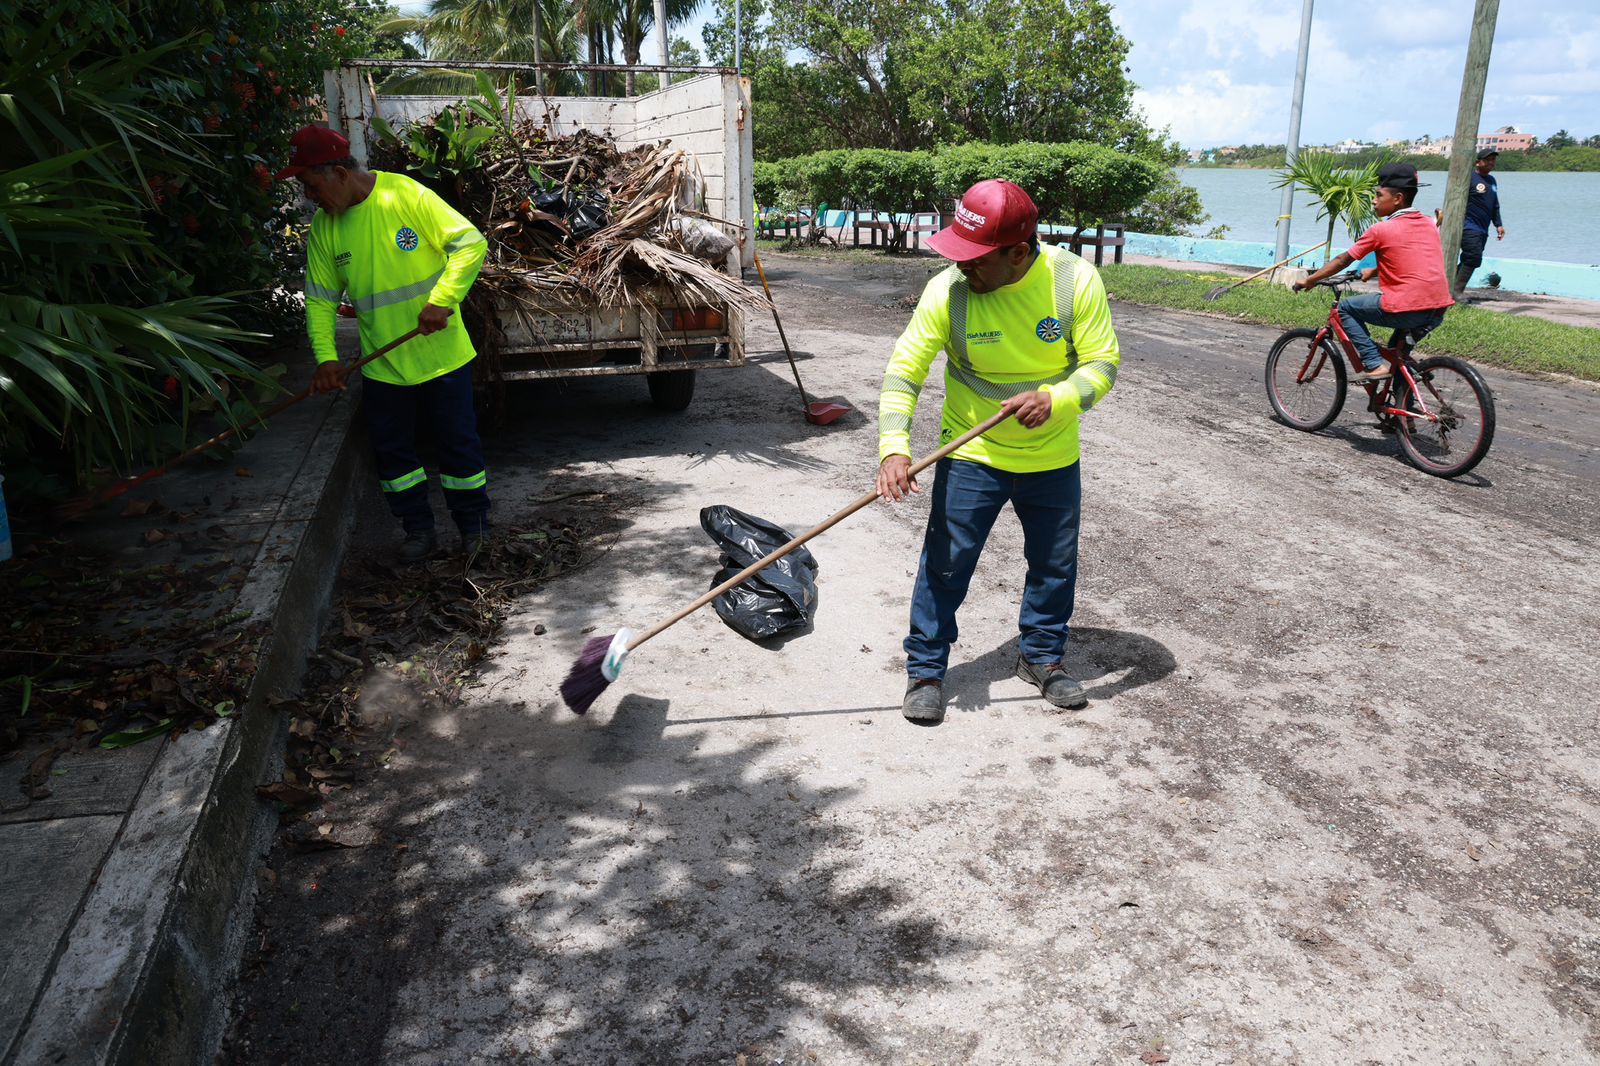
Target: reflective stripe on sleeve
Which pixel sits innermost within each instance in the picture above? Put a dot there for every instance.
(1088, 395)
(893, 421)
(895, 383)
(455, 244)
(321, 292)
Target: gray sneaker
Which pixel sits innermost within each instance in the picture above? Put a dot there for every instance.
(924, 702)
(1054, 683)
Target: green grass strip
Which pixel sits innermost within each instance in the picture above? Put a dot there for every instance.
(1517, 342)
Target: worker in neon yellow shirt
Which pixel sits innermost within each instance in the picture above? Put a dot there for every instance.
(1026, 329)
(405, 259)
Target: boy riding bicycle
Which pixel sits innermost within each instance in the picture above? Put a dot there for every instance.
(1410, 270)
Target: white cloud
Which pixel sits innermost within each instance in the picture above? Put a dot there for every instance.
(1211, 109)
(1222, 71)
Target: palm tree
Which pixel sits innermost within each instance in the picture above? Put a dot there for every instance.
(636, 18)
(491, 31)
(1343, 193)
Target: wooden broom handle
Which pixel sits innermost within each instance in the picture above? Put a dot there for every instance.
(767, 560)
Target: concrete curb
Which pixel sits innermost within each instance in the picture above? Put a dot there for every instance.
(143, 972)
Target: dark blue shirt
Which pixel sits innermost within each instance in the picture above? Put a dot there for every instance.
(1483, 202)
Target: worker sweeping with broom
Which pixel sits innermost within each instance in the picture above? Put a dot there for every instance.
(1027, 333)
(1030, 344)
(405, 259)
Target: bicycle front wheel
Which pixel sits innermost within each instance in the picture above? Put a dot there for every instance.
(1449, 423)
(1305, 380)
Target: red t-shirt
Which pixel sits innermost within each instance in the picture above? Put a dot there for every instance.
(1410, 262)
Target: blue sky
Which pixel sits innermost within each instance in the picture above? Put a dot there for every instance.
(1221, 71)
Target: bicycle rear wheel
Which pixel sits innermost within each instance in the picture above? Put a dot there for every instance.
(1454, 421)
(1305, 380)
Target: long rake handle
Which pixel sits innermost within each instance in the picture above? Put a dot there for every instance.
(772, 557)
(1275, 266)
(118, 488)
(805, 400)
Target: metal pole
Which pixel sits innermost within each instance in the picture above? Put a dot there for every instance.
(738, 33)
(661, 39)
(1468, 112)
(1292, 146)
(538, 45)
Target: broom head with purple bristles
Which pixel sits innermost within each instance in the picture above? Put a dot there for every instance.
(597, 666)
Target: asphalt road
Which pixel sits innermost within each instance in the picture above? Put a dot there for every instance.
(1334, 798)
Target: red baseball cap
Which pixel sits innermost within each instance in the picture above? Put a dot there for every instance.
(993, 214)
(314, 146)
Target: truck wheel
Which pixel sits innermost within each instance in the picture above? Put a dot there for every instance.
(671, 390)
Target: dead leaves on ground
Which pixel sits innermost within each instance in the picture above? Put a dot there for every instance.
(401, 635)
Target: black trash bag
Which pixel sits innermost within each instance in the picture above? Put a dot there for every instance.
(589, 215)
(552, 201)
(777, 599)
(584, 213)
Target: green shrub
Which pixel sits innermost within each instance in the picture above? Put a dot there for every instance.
(141, 235)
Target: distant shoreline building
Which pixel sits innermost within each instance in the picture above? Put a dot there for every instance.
(1506, 139)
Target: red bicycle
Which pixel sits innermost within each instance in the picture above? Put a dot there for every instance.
(1439, 407)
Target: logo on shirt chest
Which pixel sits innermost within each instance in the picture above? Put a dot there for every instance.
(405, 239)
(1483, 186)
(1048, 330)
(341, 260)
(988, 336)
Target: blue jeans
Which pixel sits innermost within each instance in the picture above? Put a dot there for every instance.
(1356, 310)
(444, 405)
(967, 498)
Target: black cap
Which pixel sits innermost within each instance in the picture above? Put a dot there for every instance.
(1399, 176)
(1487, 152)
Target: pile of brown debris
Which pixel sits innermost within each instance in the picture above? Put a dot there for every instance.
(572, 219)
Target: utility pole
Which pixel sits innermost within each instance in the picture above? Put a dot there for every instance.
(538, 47)
(738, 33)
(1292, 146)
(661, 39)
(1468, 113)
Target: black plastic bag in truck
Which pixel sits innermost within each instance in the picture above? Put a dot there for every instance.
(775, 600)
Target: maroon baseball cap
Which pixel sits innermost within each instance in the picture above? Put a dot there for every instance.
(314, 146)
(993, 214)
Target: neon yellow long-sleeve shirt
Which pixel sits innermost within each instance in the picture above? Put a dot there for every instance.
(395, 252)
(1051, 330)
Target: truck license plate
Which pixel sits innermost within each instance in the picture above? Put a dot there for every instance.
(565, 328)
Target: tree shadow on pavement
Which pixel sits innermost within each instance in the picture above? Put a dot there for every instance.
(549, 888)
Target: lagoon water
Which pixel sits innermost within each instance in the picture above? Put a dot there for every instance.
(1550, 216)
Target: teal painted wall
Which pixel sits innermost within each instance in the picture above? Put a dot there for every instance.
(1517, 275)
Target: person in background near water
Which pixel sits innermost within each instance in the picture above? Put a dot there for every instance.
(1026, 330)
(405, 259)
(1410, 270)
(1483, 209)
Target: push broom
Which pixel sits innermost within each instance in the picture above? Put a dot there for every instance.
(601, 660)
(83, 504)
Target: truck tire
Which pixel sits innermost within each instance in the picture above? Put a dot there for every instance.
(671, 390)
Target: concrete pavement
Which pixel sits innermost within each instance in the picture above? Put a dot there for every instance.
(125, 886)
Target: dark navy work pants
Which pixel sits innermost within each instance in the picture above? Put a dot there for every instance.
(443, 407)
